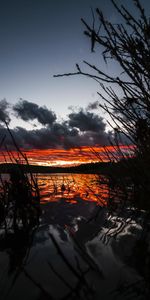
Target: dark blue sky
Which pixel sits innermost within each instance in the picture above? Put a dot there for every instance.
(40, 38)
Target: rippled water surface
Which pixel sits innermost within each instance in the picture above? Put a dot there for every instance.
(72, 187)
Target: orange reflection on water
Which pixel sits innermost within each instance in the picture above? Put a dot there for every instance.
(73, 188)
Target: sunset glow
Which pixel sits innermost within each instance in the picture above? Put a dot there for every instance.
(70, 157)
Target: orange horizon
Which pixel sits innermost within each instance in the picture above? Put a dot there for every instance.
(68, 157)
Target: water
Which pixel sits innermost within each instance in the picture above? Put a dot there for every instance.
(75, 252)
(73, 187)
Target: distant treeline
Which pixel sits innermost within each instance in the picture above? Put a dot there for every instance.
(90, 168)
(83, 168)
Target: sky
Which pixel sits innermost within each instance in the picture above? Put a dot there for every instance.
(41, 38)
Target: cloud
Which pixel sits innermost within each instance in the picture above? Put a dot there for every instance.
(28, 111)
(4, 115)
(93, 105)
(59, 136)
(86, 121)
(82, 128)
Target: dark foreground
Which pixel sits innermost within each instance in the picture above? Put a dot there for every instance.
(79, 251)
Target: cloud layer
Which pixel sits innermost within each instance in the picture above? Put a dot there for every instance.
(82, 128)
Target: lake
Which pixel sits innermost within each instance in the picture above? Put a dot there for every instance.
(79, 250)
(73, 187)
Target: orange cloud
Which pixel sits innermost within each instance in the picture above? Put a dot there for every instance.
(73, 156)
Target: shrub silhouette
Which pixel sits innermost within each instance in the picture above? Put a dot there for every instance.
(128, 45)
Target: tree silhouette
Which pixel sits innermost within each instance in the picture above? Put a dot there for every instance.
(127, 44)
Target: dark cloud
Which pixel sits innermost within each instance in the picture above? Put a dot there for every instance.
(82, 128)
(93, 105)
(56, 136)
(4, 115)
(86, 121)
(28, 111)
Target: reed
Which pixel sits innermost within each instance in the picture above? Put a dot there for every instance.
(19, 194)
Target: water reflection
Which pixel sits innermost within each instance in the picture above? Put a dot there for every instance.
(79, 250)
(73, 187)
(72, 199)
